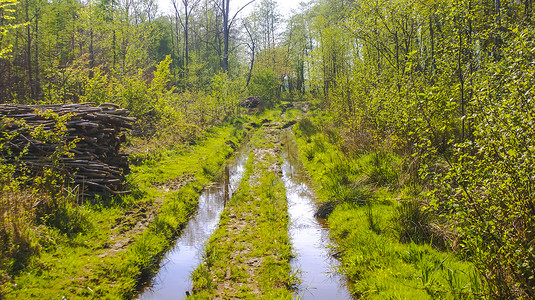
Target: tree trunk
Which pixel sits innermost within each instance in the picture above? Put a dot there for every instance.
(432, 35)
(461, 81)
(29, 51)
(37, 87)
(186, 40)
(226, 33)
(91, 53)
(527, 11)
(497, 4)
(253, 50)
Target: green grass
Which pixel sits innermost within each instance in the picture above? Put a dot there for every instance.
(248, 255)
(366, 206)
(89, 263)
(380, 267)
(382, 237)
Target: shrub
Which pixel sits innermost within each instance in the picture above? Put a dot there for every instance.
(29, 195)
(265, 85)
(488, 191)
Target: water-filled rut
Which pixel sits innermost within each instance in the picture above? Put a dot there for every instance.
(309, 235)
(173, 278)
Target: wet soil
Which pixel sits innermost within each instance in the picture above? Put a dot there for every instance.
(310, 235)
(314, 263)
(173, 278)
(242, 223)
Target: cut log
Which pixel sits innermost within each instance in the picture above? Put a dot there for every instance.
(95, 163)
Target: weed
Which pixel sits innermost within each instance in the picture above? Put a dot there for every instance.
(309, 152)
(16, 215)
(201, 277)
(413, 222)
(67, 217)
(382, 261)
(353, 193)
(372, 219)
(306, 127)
(339, 193)
(381, 168)
(324, 209)
(208, 169)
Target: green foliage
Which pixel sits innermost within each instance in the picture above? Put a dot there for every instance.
(225, 96)
(414, 222)
(440, 86)
(51, 178)
(65, 215)
(264, 84)
(386, 248)
(487, 191)
(109, 248)
(6, 17)
(16, 245)
(160, 111)
(30, 196)
(380, 267)
(448, 86)
(381, 168)
(306, 127)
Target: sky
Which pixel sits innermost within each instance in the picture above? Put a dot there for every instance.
(284, 6)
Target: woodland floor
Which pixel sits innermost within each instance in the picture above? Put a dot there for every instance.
(249, 254)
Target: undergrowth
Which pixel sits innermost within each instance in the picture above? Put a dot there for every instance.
(390, 247)
(109, 246)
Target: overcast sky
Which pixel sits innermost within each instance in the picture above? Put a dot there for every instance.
(284, 6)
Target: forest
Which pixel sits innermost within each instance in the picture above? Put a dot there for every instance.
(414, 121)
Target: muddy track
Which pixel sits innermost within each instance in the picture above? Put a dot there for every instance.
(242, 223)
(250, 253)
(248, 256)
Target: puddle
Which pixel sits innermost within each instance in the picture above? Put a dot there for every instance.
(173, 278)
(310, 236)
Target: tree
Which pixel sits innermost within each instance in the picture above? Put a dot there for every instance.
(298, 43)
(6, 17)
(251, 44)
(227, 25)
(184, 20)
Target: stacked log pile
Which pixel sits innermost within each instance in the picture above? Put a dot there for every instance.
(250, 102)
(95, 165)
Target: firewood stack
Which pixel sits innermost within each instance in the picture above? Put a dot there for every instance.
(96, 164)
(250, 102)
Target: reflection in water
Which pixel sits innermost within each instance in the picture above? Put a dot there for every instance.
(310, 236)
(172, 280)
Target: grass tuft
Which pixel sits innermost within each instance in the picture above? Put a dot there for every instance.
(306, 127)
(414, 222)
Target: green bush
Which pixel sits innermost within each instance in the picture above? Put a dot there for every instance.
(265, 85)
(488, 191)
(29, 197)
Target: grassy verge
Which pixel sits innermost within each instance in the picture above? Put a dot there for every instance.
(384, 240)
(248, 255)
(122, 239)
